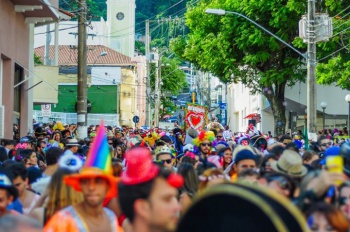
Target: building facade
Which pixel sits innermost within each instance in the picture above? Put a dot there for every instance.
(242, 103)
(111, 79)
(121, 26)
(17, 22)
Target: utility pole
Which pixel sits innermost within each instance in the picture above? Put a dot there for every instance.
(47, 45)
(209, 93)
(157, 91)
(82, 69)
(311, 68)
(192, 82)
(148, 67)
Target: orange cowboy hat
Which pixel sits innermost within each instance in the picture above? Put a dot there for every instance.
(97, 164)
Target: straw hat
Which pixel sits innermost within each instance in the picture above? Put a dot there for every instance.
(110, 134)
(98, 164)
(72, 142)
(290, 163)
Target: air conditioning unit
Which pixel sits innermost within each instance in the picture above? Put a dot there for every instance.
(2, 121)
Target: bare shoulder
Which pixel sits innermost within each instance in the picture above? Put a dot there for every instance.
(37, 214)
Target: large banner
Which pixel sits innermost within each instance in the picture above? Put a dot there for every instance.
(196, 116)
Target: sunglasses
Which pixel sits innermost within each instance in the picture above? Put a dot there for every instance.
(168, 161)
(219, 137)
(205, 144)
(110, 143)
(282, 183)
(325, 144)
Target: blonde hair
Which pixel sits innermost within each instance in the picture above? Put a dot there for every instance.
(60, 195)
(209, 174)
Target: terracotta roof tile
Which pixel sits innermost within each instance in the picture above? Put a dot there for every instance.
(68, 55)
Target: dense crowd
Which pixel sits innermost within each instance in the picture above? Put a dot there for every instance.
(129, 179)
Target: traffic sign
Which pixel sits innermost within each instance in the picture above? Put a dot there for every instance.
(223, 106)
(46, 110)
(136, 119)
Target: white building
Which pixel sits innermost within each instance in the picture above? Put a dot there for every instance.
(118, 32)
(242, 103)
(121, 26)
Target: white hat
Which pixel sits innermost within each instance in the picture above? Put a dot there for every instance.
(72, 142)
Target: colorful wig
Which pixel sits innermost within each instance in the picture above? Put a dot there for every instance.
(204, 135)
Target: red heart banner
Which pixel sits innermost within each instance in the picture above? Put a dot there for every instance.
(195, 120)
(196, 116)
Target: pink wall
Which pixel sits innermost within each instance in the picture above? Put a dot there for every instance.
(14, 48)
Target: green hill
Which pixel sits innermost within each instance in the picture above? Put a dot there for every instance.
(144, 9)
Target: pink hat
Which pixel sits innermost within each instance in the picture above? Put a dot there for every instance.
(140, 167)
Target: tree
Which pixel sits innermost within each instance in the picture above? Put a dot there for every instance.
(37, 60)
(172, 80)
(96, 8)
(336, 70)
(168, 107)
(334, 63)
(234, 49)
(333, 66)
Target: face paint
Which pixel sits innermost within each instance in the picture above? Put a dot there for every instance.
(310, 221)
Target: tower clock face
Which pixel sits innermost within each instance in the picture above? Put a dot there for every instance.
(120, 16)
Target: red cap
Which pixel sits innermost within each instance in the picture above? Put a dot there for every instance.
(139, 168)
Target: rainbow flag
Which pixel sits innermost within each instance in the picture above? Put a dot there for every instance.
(99, 154)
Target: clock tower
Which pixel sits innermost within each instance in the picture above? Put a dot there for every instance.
(121, 26)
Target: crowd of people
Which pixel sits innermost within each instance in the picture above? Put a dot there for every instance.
(127, 179)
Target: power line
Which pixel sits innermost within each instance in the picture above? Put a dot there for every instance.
(63, 29)
(334, 52)
(341, 12)
(337, 19)
(154, 16)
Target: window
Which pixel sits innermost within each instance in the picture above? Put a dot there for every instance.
(17, 91)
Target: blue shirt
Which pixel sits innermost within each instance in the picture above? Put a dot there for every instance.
(16, 205)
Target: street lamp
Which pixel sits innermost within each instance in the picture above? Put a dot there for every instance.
(102, 54)
(224, 12)
(324, 106)
(347, 98)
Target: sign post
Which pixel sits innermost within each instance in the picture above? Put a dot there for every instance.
(46, 112)
(136, 120)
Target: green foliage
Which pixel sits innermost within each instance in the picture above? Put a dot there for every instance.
(140, 47)
(172, 78)
(337, 70)
(168, 107)
(333, 56)
(234, 49)
(156, 9)
(37, 60)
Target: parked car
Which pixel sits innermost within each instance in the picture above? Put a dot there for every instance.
(172, 119)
